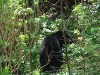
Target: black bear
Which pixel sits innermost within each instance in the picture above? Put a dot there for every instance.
(51, 52)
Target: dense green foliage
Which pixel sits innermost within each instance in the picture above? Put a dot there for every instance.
(22, 31)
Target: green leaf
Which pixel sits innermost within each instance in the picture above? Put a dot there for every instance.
(95, 21)
(5, 71)
(98, 7)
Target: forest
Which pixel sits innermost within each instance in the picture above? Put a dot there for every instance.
(25, 23)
